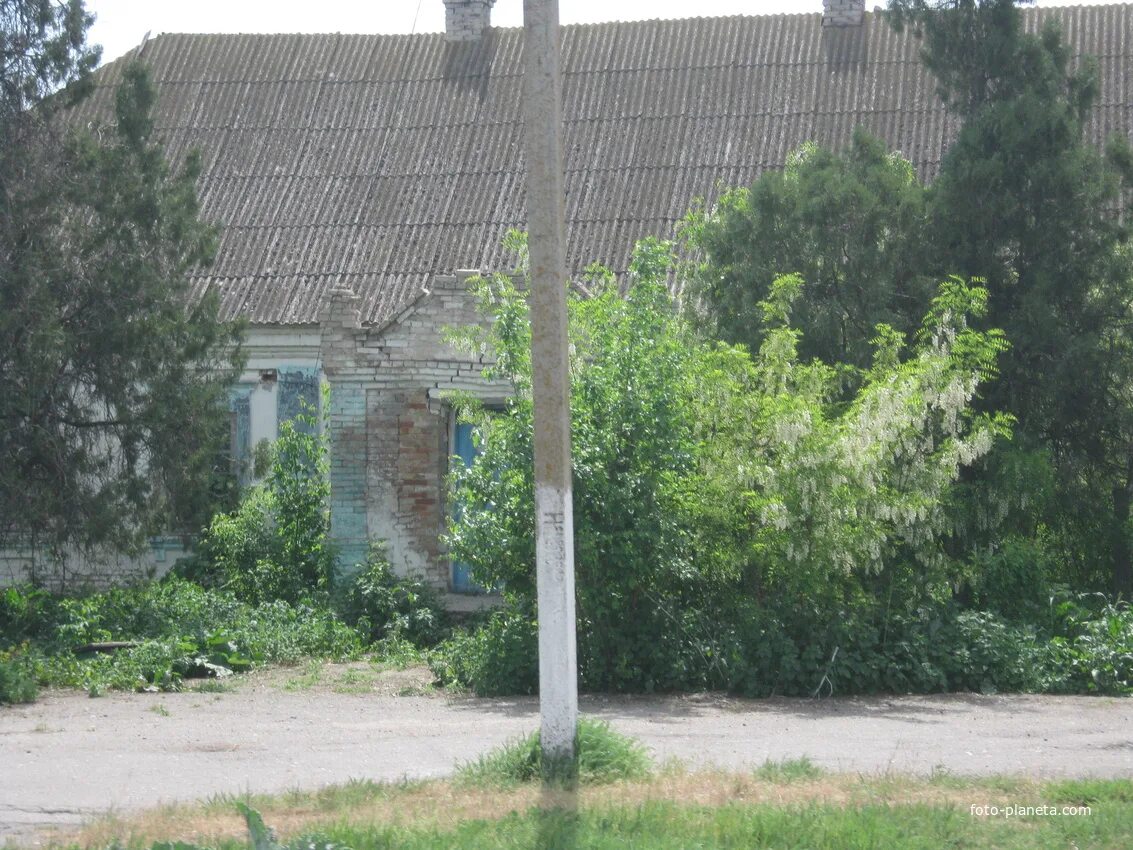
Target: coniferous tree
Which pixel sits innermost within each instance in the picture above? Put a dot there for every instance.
(112, 374)
(852, 224)
(1026, 201)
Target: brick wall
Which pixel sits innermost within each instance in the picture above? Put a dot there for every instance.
(466, 20)
(390, 426)
(75, 571)
(842, 13)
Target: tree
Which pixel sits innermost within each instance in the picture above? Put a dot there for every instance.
(851, 224)
(1025, 201)
(113, 374)
(704, 474)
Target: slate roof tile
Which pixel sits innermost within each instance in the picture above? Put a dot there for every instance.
(377, 161)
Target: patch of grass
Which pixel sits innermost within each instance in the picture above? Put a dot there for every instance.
(788, 770)
(944, 778)
(159, 709)
(1088, 792)
(394, 652)
(671, 808)
(602, 756)
(354, 682)
(212, 686)
(310, 677)
(672, 825)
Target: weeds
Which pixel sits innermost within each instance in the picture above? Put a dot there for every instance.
(787, 771)
(673, 811)
(17, 677)
(602, 756)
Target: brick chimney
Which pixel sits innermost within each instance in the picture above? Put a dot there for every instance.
(841, 13)
(466, 20)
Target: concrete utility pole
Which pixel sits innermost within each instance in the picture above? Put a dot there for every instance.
(554, 516)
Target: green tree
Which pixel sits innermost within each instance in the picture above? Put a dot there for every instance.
(113, 373)
(1025, 201)
(703, 474)
(853, 225)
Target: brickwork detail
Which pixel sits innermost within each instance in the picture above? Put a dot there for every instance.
(466, 20)
(843, 13)
(390, 427)
(77, 571)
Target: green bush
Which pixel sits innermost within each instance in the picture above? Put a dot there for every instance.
(1095, 654)
(17, 677)
(381, 605)
(704, 474)
(789, 650)
(982, 653)
(499, 657)
(276, 544)
(26, 613)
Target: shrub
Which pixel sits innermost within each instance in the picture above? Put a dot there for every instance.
(980, 652)
(499, 657)
(382, 605)
(276, 544)
(26, 613)
(1099, 658)
(702, 473)
(17, 677)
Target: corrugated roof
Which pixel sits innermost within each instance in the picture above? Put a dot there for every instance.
(376, 161)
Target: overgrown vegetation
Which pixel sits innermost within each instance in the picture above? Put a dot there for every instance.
(756, 523)
(17, 678)
(175, 629)
(1025, 201)
(275, 545)
(257, 593)
(383, 606)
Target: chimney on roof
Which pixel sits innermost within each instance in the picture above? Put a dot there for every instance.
(842, 13)
(466, 20)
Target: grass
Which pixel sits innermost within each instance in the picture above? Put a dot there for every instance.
(671, 807)
(310, 677)
(791, 770)
(354, 682)
(603, 756)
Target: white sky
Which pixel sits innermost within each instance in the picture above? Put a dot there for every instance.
(121, 24)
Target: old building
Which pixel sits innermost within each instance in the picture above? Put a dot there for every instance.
(355, 176)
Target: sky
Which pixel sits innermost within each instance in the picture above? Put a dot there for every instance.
(121, 24)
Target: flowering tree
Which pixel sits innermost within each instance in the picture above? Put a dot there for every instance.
(701, 469)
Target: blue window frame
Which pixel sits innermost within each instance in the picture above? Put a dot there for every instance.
(464, 447)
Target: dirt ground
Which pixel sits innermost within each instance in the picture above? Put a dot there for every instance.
(68, 757)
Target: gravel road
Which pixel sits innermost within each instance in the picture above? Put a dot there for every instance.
(68, 757)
